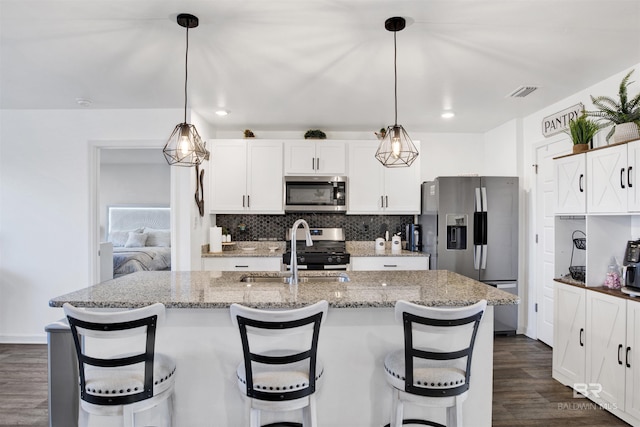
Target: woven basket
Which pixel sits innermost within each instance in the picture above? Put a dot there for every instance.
(626, 132)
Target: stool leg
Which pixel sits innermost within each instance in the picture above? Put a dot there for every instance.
(128, 416)
(454, 413)
(310, 413)
(255, 417)
(399, 408)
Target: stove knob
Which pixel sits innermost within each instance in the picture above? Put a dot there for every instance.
(338, 260)
(300, 259)
(329, 259)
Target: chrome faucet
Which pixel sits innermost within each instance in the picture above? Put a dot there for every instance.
(294, 256)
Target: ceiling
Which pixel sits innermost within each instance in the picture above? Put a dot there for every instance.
(303, 64)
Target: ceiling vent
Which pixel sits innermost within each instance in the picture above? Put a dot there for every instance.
(522, 91)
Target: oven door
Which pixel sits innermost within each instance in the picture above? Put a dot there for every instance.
(330, 267)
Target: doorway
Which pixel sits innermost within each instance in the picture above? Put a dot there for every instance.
(124, 173)
(544, 234)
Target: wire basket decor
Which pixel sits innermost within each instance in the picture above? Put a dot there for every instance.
(579, 242)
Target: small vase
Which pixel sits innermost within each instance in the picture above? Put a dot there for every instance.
(580, 148)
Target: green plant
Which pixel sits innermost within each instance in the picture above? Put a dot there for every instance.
(248, 133)
(582, 130)
(315, 133)
(615, 112)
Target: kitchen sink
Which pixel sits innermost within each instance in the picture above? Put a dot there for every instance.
(301, 279)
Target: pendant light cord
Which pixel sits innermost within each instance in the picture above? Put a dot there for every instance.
(395, 76)
(186, 75)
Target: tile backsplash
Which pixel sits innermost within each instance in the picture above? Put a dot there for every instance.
(273, 227)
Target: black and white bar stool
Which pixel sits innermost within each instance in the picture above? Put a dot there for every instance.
(120, 372)
(281, 370)
(434, 368)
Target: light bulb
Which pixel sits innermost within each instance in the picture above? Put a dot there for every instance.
(184, 145)
(396, 145)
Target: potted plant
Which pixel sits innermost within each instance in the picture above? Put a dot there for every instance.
(248, 133)
(623, 113)
(382, 133)
(582, 131)
(315, 134)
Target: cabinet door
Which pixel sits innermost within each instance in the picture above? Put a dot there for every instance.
(299, 157)
(366, 179)
(632, 360)
(264, 186)
(569, 334)
(331, 158)
(570, 184)
(607, 180)
(389, 263)
(606, 338)
(633, 179)
(241, 264)
(228, 172)
(402, 189)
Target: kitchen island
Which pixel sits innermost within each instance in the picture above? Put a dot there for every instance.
(360, 329)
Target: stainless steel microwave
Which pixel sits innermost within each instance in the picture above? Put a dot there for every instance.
(315, 193)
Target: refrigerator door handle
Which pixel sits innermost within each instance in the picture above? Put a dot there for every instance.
(484, 199)
(477, 254)
(478, 201)
(483, 265)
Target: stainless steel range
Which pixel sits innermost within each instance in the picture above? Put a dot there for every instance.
(327, 253)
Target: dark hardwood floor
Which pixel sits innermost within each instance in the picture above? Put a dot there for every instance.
(524, 394)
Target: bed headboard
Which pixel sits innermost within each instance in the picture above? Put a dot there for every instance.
(122, 218)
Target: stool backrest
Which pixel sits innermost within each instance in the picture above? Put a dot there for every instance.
(440, 336)
(112, 341)
(280, 328)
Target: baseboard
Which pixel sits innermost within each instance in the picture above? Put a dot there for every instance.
(23, 339)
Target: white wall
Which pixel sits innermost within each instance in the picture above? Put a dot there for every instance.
(44, 194)
(500, 150)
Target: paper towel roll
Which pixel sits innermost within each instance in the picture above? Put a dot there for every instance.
(215, 239)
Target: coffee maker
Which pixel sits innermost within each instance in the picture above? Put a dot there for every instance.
(413, 236)
(631, 265)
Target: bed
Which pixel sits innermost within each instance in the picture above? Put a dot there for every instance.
(141, 238)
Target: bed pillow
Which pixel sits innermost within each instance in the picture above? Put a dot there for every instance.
(119, 238)
(136, 240)
(158, 237)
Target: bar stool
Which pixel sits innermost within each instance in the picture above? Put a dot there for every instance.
(434, 368)
(120, 372)
(280, 371)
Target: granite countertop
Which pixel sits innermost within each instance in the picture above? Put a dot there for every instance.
(214, 289)
(265, 249)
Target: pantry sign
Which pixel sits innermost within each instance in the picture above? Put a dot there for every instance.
(559, 121)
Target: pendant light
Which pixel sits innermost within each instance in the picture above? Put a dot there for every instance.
(185, 147)
(396, 148)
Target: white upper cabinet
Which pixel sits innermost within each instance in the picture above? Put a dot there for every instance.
(570, 176)
(633, 179)
(246, 176)
(374, 189)
(607, 180)
(320, 157)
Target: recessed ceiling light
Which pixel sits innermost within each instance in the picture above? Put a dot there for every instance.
(222, 113)
(83, 102)
(447, 115)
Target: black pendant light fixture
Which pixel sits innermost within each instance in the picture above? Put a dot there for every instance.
(396, 148)
(185, 147)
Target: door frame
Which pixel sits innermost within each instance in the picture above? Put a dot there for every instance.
(178, 240)
(534, 291)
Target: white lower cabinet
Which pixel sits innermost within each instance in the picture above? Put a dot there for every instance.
(596, 350)
(569, 334)
(389, 263)
(606, 338)
(242, 264)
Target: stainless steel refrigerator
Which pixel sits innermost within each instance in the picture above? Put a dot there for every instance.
(470, 226)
